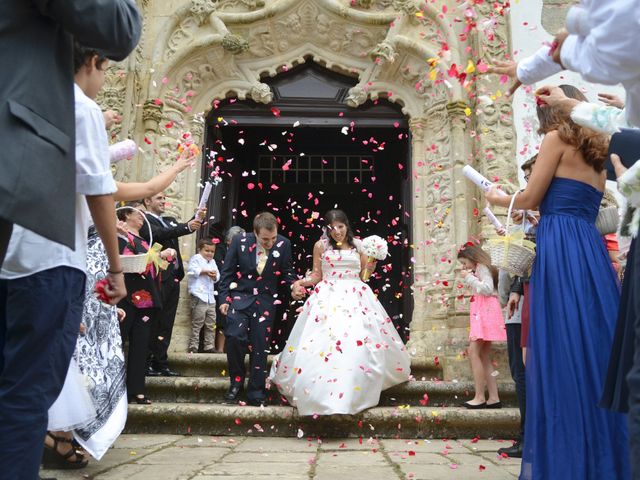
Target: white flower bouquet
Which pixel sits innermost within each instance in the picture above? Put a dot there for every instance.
(375, 248)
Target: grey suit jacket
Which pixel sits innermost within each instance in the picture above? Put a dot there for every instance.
(37, 123)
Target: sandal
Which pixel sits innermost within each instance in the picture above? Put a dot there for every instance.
(53, 458)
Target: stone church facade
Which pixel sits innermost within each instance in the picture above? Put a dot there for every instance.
(196, 52)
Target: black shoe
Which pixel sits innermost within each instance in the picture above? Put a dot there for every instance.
(514, 451)
(167, 372)
(257, 403)
(152, 372)
(474, 407)
(234, 392)
(494, 405)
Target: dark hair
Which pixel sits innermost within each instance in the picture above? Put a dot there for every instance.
(82, 54)
(338, 216)
(528, 165)
(593, 146)
(128, 209)
(475, 253)
(204, 242)
(265, 220)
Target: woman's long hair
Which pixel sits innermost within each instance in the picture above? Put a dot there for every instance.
(593, 146)
(477, 255)
(337, 216)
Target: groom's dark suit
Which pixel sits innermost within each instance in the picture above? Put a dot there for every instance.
(252, 306)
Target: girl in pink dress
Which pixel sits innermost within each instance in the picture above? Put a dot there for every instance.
(486, 323)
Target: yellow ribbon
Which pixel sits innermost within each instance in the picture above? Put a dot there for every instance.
(515, 238)
(153, 258)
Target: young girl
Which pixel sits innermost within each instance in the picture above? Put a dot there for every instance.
(487, 323)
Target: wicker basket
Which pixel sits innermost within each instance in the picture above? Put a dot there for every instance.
(136, 263)
(510, 256)
(607, 220)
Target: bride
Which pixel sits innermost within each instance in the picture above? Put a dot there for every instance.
(344, 349)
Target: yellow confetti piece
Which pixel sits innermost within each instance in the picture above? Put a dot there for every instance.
(435, 414)
(420, 14)
(220, 119)
(467, 112)
(470, 67)
(132, 452)
(290, 349)
(223, 373)
(433, 74)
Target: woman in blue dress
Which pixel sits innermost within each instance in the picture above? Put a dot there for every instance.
(574, 303)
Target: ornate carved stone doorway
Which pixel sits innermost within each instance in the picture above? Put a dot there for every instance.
(306, 153)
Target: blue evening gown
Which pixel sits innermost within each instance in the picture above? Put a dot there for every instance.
(574, 304)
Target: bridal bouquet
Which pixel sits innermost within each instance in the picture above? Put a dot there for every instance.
(375, 248)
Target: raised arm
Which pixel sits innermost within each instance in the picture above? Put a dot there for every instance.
(546, 166)
(112, 26)
(134, 191)
(161, 234)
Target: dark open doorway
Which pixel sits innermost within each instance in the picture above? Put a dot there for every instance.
(307, 153)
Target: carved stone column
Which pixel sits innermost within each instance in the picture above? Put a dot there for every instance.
(433, 228)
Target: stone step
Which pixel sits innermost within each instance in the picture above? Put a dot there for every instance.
(383, 422)
(211, 390)
(215, 365)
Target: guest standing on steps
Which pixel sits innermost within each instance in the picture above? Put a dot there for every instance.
(255, 266)
(486, 323)
(166, 231)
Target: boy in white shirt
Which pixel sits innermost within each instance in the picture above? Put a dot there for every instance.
(202, 275)
(42, 288)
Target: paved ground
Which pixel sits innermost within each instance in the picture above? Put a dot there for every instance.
(173, 457)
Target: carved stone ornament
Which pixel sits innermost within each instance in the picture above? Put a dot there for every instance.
(151, 115)
(384, 50)
(357, 96)
(261, 93)
(234, 44)
(202, 9)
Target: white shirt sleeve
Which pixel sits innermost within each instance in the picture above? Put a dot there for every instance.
(195, 267)
(93, 170)
(481, 282)
(537, 67)
(604, 47)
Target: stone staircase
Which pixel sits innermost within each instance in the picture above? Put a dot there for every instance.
(426, 407)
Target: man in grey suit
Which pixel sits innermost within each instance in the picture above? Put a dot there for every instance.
(38, 192)
(37, 139)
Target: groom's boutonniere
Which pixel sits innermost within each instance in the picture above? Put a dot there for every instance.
(275, 254)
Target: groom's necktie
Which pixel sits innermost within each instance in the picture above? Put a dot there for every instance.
(262, 259)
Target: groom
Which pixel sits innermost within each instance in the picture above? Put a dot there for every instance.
(255, 266)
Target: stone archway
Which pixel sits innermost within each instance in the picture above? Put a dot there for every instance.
(207, 50)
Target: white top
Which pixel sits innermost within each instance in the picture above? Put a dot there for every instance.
(29, 253)
(202, 286)
(482, 281)
(602, 47)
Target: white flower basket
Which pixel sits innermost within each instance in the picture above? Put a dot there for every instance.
(515, 255)
(607, 220)
(136, 263)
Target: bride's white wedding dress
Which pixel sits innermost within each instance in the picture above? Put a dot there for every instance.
(344, 349)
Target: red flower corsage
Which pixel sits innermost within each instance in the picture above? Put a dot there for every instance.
(100, 290)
